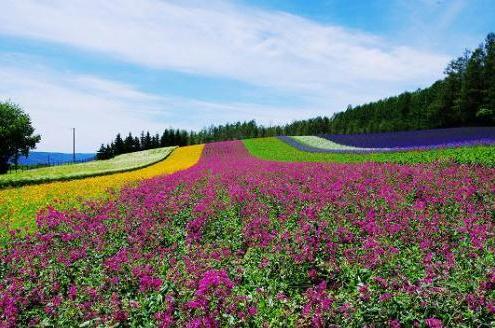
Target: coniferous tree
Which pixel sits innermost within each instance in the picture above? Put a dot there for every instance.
(142, 141)
(137, 144)
(163, 139)
(118, 145)
(101, 153)
(147, 141)
(156, 141)
(129, 143)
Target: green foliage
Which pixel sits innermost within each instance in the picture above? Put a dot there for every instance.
(486, 114)
(277, 150)
(16, 134)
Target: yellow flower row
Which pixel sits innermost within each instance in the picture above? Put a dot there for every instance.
(18, 206)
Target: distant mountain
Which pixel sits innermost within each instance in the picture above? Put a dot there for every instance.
(41, 157)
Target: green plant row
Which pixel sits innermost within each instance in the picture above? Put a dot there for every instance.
(119, 164)
(276, 150)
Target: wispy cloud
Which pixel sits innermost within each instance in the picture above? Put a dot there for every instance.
(325, 66)
(100, 108)
(220, 38)
(453, 10)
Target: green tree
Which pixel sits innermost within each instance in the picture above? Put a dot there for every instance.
(472, 87)
(137, 144)
(489, 78)
(103, 153)
(129, 143)
(147, 141)
(16, 134)
(119, 146)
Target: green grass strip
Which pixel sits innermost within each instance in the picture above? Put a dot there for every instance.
(276, 150)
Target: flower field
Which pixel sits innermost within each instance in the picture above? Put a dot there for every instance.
(121, 163)
(18, 206)
(239, 241)
(287, 149)
(316, 144)
(394, 141)
(438, 138)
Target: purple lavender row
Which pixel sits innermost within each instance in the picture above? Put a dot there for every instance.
(424, 139)
(303, 147)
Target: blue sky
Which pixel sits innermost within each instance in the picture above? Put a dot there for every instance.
(117, 66)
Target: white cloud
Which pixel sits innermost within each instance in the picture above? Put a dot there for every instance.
(99, 108)
(261, 47)
(58, 103)
(327, 67)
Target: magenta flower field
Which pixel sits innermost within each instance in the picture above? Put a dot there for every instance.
(237, 241)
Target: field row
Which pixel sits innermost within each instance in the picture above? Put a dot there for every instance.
(121, 163)
(238, 241)
(453, 137)
(18, 206)
(290, 150)
(316, 144)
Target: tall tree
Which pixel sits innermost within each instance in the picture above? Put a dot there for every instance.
(129, 144)
(164, 139)
(472, 87)
(119, 147)
(142, 141)
(137, 144)
(16, 134)
(488, 111)
(147, 141)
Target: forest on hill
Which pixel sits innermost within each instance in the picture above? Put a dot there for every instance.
(464, 97)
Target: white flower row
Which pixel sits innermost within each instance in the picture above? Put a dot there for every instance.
(326, 144)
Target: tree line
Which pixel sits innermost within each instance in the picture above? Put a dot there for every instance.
(145, 141)
(464, 97)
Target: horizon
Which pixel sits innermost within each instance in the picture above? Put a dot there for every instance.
(106, 69)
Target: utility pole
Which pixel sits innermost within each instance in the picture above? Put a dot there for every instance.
(74, 145)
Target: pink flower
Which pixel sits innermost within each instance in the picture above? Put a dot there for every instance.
(72, 292)
(252, 311)
(149, 283)
(433, 323)
(394, 324)
(385, 297)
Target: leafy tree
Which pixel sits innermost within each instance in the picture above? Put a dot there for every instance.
(472, 86)
(16, 134)
(489, 76)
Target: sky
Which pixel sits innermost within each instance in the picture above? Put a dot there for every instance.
(104, 67)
